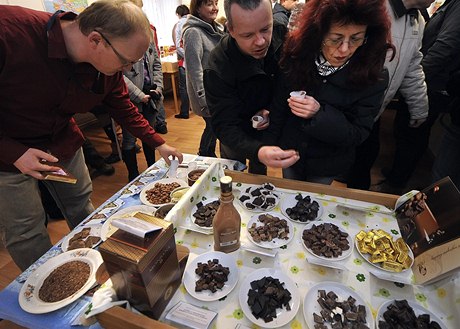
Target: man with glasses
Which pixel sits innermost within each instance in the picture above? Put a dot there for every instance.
(51, 67)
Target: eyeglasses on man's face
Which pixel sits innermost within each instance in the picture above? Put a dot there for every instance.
(124, 61)
(352, 42)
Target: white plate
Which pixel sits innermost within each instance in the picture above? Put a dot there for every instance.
(275, 243)
(143, 195)
(276, 195)
(289, 201)
(310, 304)
(195, 208)
(418, 310)
(345, 253)
(190, 277)
(28, 296)
(107, 228)
(95, 231)
(377, 265)
(283, 316)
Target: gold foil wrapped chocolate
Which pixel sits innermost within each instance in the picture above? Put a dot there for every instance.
(391, 255)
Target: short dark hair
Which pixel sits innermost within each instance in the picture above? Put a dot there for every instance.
(244, 4)
(194, 5)
(182, 10)
(303, 45)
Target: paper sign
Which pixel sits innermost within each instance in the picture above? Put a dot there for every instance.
(191, 316)
(135, 226)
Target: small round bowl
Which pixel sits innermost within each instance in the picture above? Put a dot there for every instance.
(163, 210)
(194, 175)
(178, 193)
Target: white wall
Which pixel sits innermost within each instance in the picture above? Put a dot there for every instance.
(34, 4)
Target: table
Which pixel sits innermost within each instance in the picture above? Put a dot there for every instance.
(442, 297)
(169, 66)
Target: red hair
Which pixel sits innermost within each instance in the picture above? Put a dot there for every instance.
(303, 45)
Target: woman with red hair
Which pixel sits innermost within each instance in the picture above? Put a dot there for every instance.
(336, 57)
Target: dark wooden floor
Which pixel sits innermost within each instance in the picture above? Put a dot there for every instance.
(185, 135)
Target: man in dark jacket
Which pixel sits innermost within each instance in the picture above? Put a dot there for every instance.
(239, 83)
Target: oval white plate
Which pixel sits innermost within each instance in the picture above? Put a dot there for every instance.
(28, 296)
(190, 277)
(95, 231)
(345, 253)
(289, 201)
(377, 265)
(195, 208)
(107, 229)
(143, 195)
(258, 209)
(282, 315)
(418, 310)
(310, 304)
(275, 243)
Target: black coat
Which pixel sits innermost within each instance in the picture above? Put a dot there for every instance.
(237, 86)
(327, 141)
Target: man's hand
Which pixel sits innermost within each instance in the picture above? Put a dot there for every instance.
(265, 122)
(303, 107)
(275, 157)
(166, 151)
(31, 163)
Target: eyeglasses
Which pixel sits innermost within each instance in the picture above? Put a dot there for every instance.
(123, 60)
(352, 42)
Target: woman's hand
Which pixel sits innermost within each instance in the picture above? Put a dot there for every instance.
(275, 157)
(303, 107)
(145, 99)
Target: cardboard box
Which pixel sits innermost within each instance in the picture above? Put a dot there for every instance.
(146, 272)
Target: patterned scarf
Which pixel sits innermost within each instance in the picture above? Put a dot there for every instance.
(325, 68)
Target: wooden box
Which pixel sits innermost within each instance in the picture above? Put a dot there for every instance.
(146, 272)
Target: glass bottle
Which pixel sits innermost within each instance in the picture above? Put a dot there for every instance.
(227, 221)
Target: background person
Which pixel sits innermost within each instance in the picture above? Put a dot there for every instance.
(76, 65)
(282, 11)
(182, 12)
(441, 60)
(200, 35)
(406, 75)
(145, 86)
(344, 82)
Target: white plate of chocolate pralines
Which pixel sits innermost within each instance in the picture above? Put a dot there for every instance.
(326, 300)
(211, 276)
(326, 240)
(259, 198)
(270, 230)
(301, 207)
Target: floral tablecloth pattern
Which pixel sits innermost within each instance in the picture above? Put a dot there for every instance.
(442, 298)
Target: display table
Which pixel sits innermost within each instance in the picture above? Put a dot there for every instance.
(442, 298)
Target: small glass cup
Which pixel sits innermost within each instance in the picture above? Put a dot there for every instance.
(257, 120)
(300, 93)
